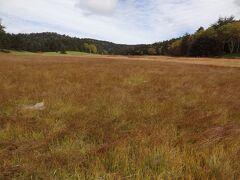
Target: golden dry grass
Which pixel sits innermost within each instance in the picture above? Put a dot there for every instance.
(222, 62)
(115, 118)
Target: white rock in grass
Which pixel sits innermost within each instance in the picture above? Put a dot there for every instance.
(39, 106)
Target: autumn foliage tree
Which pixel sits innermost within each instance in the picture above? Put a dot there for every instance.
(90, 48)
(230, 36)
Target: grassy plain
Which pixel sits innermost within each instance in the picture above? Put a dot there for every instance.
(118, 118)
(68, 53)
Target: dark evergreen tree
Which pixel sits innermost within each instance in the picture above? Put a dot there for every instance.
(2, 35)
(185, 45)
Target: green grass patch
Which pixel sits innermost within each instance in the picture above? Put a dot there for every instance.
(235, 55)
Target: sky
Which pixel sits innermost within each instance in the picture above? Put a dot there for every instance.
(119, 21)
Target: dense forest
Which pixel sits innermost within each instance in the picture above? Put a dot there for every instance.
(219, 39)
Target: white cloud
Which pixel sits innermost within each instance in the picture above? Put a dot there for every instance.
(237, 2)
(96, 6)
(121, 21)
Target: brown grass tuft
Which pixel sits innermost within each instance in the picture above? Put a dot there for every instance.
(217, 134)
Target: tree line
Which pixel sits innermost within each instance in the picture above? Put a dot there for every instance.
(223, 37)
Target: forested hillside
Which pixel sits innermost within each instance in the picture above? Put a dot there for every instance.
(221, 38)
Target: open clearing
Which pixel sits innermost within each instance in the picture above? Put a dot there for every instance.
(109, 117)
(79, 56)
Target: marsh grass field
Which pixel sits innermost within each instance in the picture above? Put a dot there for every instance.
(119, 118)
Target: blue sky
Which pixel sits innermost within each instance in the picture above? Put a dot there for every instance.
(119, 21)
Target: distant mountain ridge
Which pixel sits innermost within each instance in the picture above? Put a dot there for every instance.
(221, 38)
